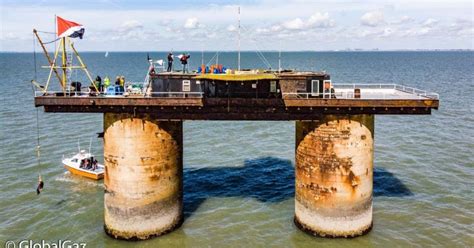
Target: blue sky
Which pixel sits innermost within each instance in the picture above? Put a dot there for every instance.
(147, 25)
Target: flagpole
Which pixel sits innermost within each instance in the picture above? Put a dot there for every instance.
(238, 55)
(64, 61)
(55, 31)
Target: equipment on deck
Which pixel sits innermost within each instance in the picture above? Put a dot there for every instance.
(65, 51)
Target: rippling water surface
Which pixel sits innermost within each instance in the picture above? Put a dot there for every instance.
(239, 176)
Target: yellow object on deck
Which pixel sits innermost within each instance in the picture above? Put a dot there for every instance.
(237, 77)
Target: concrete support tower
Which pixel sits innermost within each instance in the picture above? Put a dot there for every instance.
(334, 175)
(143, 176)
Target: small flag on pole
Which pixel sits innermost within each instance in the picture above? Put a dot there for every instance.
(69, 29)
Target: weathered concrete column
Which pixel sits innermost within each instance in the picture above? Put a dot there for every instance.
(143, 176)
(334, 175)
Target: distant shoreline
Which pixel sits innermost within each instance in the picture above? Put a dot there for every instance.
(286, 51)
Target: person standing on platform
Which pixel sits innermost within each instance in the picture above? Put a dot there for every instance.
(98, 84)
(122, 83)
(184, 60)
(170, 62)
(106, 83)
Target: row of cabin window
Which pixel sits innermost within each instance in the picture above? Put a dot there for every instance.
(187, 86)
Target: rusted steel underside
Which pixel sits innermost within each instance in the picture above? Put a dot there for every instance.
(235, 108)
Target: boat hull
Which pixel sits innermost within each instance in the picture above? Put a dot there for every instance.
(75, 171)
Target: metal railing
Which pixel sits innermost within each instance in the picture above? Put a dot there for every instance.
(166, 94)
(367, 91)
(342, 91)
(178, 94)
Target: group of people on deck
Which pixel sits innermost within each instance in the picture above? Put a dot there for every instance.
(184, 61)
(102, 86)
(88, 164)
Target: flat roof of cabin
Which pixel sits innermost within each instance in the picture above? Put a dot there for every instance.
(242, 75)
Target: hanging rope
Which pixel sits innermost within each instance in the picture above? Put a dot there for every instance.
(40, 186)
(49, 42)
(38, 153)
(46, 32)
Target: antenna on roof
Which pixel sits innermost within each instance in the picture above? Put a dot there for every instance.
(279, 59)
(238, 55)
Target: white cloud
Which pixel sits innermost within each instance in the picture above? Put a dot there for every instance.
(372, 19)
(130, 25)
(317, 20)
(430, 22)
(231, 28)
(403, 20)
(275, 28)
(191, 23)
(387, 32)
(320, 20)
(294, 24)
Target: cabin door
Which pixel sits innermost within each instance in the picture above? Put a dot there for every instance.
(315, 88)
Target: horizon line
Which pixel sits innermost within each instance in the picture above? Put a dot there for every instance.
(273, 50)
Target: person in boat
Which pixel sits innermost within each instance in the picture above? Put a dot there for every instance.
(94, 164)
(88, 164)
(184, 61)
(81, 164)
(91, 164)
(170, 62)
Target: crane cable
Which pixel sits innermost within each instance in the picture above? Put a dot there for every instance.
(38, 147)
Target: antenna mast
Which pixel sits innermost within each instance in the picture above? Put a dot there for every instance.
(238, 55)
(279, 59)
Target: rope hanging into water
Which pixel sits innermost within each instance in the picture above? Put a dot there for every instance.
(40, 186)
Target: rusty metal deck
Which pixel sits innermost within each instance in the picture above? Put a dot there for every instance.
(236, 108)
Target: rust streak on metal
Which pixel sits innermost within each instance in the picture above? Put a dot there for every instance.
(143, 178)
(334, 175)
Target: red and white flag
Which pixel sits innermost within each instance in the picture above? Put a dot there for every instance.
(69, 28)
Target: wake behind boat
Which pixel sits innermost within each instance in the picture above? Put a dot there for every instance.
(84, 164)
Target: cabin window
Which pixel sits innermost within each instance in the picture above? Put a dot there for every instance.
(273, 86)
(186, 85)
(315, 87)
(74, 160)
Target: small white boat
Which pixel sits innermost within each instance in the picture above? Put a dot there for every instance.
(84, 164)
